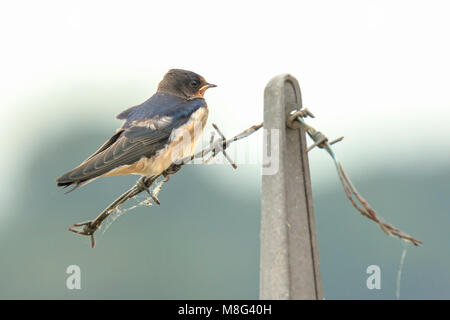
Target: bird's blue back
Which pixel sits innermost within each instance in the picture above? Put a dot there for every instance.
(161, 105)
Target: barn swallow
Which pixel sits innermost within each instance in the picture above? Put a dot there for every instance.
(145, 144)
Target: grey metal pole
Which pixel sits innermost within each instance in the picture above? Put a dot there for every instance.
(289, 260)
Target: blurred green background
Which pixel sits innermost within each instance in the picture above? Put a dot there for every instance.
(375, 72)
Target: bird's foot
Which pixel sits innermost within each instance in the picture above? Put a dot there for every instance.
(174, 168)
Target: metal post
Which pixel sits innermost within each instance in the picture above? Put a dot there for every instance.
(289, 255)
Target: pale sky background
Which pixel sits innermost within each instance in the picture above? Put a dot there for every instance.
(363, 65)
(376, 72)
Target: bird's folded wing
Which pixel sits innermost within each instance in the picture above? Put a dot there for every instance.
(124, 148)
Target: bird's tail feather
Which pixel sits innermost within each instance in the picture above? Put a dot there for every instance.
(71, 178)
(75, 184)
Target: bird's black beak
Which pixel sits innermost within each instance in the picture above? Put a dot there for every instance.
(210, 85)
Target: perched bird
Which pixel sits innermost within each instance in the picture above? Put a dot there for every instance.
(150, 139)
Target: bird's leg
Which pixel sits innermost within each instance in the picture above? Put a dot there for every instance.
(142, 186)
(174, 168)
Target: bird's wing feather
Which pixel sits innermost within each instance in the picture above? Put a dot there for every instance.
(106, 145)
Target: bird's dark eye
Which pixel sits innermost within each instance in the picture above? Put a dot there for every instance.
(194, 83)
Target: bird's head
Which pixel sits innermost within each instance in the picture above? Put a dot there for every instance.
(183, 83)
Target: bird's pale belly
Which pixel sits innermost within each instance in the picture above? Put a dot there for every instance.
(182, 143)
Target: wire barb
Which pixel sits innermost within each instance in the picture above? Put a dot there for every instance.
(141, 184)
(294, 114)
(224, 145)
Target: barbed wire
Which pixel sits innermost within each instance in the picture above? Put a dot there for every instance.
(295, 121)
